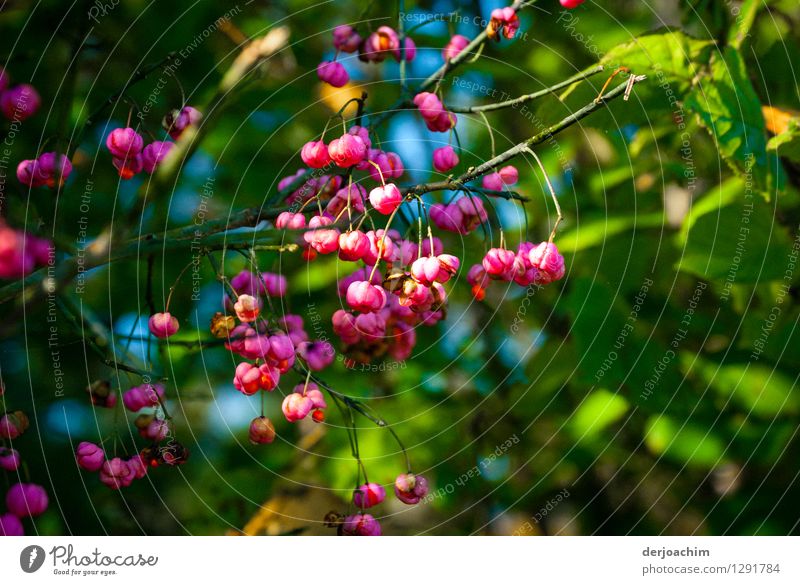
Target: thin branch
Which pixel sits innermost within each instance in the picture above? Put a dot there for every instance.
(513, 103)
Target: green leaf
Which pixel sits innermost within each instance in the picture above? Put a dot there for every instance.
(730, 237)
(596, 231)
(787, 143)
(684, 442)
(727, 106)
(599, 410)
(744, 22)
(758, 389)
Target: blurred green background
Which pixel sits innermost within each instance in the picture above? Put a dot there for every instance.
(652, 391)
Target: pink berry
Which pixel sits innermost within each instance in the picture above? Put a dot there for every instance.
(386, 199)
(177, 121)
(29, 173)
(116, 473)
(333, 73)
(361, 525)
(371, 326)
(499, 263)
(274, 284)
(353, 245)
(124, 143)
(163, 325)
(144, 396)
(315, 154)
(346, 39)
(409, 52)
(296, 407)
(318, 355)
(20, 102)
(454, 46)
(10, 525)
(429, 105)
(448, 266)
(54, 167)
(127, 168)
(425, 270)
(492, 181)
(13, 424)
(247, 308)
(509, 175)
(261, 431)
(377, 46)
(444, 159)
(137, 466)
(26, 499)
(347, 151)
(410, 488)
(290, 221)
(154, 153)
(570, 4)
(324, 241)
(365, 297)
(547, 260)
(9, 459)
(344, 326)
(368, 495)
(89, 456)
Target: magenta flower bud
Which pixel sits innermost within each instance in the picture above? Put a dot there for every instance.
(176, 121)
(368, 495)
(346, 39)
(20, 102)
(410, 488)
(371, 326)
(550, 264)
(444, 122)
(493, 182)
(163, 325)
(54, 167)
(144, 396)
(318, 355)
(344, 326)
(410, 50)
(429, 105)
(29, 173)
(255, 346)
(499, 263)
(570, 4)
(287, 220)
(26, 499)
(10, 525)
(296, 407)
(386, 199)
(9, 459)
(281, 348)
(124, 143)
(261, 431)
(154, 153)
(116, 474)
(333, 73)
(365, 297)
(454, 46)
(361, 525)
(247, 283)
(156, 431)
(315, 154)
(137, 466)
(509, 175)
(347, 151)
(444, 159)
(353, 245)
(274, 284)
(89, 456)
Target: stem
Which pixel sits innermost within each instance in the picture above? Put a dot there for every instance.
(552, 194)
(512, 103)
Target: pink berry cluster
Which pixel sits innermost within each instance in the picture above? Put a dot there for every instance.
(115, 473)
(408, 488)
(49, 169)
(131, 156)
(433, 112)
(18, 102)
(532, 264)
(503, 22)
(21, 253)
(23, 500)
(376, 47)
